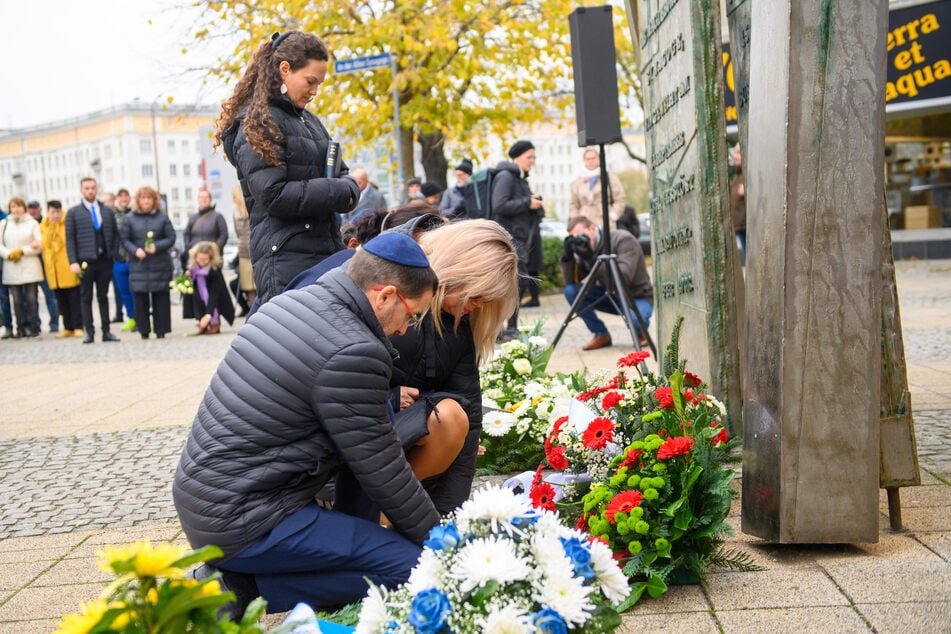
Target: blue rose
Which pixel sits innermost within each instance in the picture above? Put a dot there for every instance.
(547, 621)
(526, 520)
(579, 556)
(443, 537)
(429, 611)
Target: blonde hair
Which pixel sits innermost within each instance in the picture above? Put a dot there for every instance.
(205, 247)
(475, 259)
(237, 195)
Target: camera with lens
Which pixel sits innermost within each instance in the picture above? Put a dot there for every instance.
(578, 245)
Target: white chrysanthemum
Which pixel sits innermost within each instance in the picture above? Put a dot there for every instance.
(491, 559)
(509, 620)
(538, 341)
(495, 504)
(428, 573)
(496, 423)
(567, 595)
(719, 405)
(541, 410)
(550, 556)
(612, 581)
(558, 389)
(373, 614)
(522, 366)
(523, 425)
(534, 388)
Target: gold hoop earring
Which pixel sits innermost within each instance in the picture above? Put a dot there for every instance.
(283, 89)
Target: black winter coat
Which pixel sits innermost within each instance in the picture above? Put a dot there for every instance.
(81, 235)
(511, 205)
(292, 207)
(152, 274)
(302, 391)
(205, 225)
(444, 364)
(440, 364)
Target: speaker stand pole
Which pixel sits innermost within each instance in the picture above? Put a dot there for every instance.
(616, 293)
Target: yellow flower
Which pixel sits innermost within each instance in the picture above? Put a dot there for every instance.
(144, 559)
(90, 613)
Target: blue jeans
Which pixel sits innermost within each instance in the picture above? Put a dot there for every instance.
(320, 557)
(120, 275)
(51, 308)
(596, 299)
(741, 245)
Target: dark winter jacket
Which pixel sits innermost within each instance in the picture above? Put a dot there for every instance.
(446, 364)
(292, 207)
(219, 298)
(153, 273)
(511, 204)
(302, 391)
(206, 225)
(81, 235)
(631, 265)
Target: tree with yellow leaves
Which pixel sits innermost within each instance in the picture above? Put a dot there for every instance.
(466, 70)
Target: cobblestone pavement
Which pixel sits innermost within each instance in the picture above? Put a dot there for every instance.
(54, 484)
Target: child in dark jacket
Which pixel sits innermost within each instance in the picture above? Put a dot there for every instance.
(211, 300)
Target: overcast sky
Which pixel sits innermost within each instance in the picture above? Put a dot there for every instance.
(63, 58)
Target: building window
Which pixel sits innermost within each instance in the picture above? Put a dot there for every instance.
(188, 193)
(186, 169)
(171, 145)
(175, 194)
(147, 170)
(172, 169)
(107, 151)
(186, 146)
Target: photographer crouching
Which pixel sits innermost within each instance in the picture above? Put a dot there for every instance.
(582, 247)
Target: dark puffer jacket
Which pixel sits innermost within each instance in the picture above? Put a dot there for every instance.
(152, 274)
(302, 391)
(511, 204)
(432, 363)
(292, 207)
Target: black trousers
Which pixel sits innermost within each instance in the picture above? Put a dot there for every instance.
(24, 307)
(99, 274)
(70, 307)
(159, 305)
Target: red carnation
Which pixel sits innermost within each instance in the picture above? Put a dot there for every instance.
(665, 396)
(599, 433)
(623, 503)
(691, 379)
(675, 446)
(556, 458)
(721, 437)
(543, 496)
(632, 457)
(582, 525)
(633, 359)
(611, 399)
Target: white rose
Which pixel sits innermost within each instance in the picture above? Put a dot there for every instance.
(522, 366)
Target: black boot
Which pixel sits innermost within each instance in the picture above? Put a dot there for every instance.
(243, 585)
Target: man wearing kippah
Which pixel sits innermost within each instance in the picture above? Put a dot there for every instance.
(301, 398)
(516, 208)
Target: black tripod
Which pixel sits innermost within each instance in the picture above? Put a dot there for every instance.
(617, 293)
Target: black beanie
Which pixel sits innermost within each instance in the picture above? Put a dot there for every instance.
(520, 147)
(465, 165)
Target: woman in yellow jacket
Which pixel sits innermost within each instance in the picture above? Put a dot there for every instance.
(64, 282)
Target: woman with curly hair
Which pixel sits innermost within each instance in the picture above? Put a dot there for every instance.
(280, 151)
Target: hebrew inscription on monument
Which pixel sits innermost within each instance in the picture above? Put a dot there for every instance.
(696, 272)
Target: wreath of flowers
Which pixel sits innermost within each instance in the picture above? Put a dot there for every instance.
(497, 565)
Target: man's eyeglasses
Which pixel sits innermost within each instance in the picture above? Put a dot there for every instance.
(414, 318)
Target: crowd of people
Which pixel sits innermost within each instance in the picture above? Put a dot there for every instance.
(113, 241)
